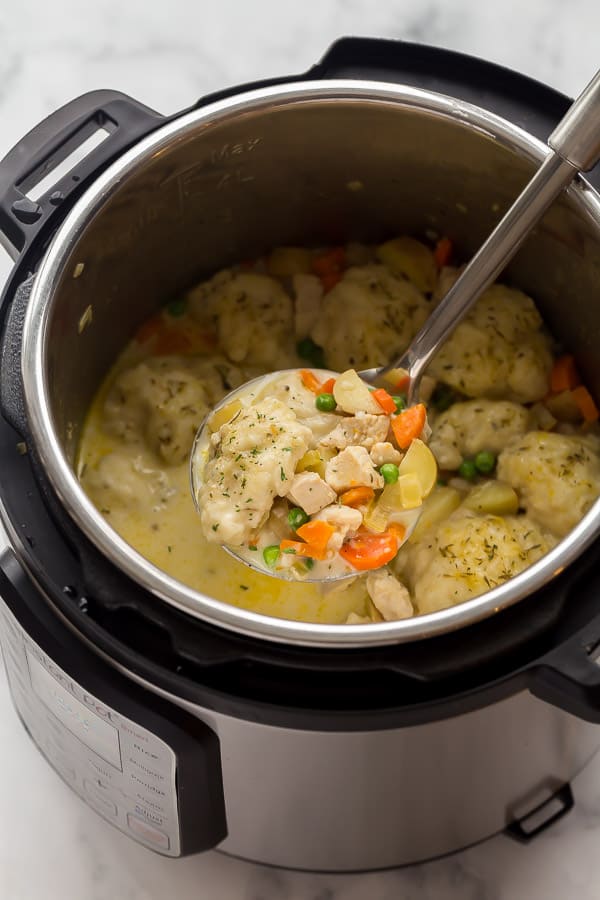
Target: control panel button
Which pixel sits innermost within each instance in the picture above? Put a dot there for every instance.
(148, 832)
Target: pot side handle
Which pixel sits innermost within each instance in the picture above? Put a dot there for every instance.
(111, 116)
(569, 676)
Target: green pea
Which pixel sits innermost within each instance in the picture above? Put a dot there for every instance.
(177, 307)
(485, 462)
(400, 401)
(389, 472)
(325, 402)
(468, 470)
(271, 555)
(307, 349)
(296, 518)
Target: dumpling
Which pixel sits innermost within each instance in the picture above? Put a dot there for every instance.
(467, 555)
(466, 428)
(557, 476)
(161, 402)
(368, 318)
(499, 350)
(253, 317)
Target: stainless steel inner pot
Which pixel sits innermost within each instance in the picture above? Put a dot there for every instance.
(303, 163)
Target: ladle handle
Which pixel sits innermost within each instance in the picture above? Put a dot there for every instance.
(576, 139)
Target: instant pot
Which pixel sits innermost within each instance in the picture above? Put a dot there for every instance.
(190, 724)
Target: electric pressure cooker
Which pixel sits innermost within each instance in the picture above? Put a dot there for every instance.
(190, 724)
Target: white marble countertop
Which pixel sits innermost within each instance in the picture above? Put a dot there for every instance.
(52, 847)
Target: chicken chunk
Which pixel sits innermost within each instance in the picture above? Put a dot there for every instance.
(467, 555)
(368, 318)
(499, 350)
(344, 519)
(310, 492)
(389, 595)
(256, 455)
(363, 430)
(352, 467)
(557, 476)
(466, 428)
(383, 452)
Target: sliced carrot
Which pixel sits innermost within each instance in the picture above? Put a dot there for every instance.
(310, 381)
(316, 533)
(397, 529)
(328, 386)
(357, 496)
(330, 280)
(333, 261)
(403, 384)
(443, 252)
(329, 267)
(370, 551)
(171, 341)
(385, 400)
(586, 404)
(302, 549)
(564, 375)
(149, 329)
(409, 425)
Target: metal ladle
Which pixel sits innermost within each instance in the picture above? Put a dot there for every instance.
(574, 147)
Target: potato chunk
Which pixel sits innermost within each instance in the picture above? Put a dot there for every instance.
(410, 258)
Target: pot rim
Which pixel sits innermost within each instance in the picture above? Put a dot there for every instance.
(90, 520)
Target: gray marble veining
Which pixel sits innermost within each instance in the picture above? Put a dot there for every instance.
(51, 846)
